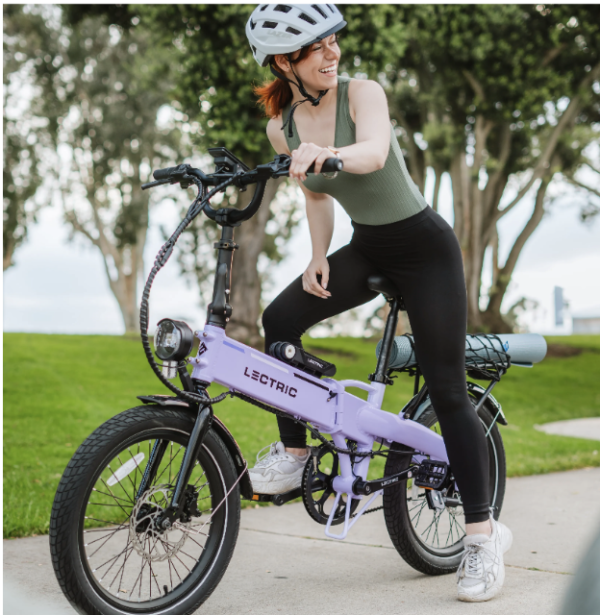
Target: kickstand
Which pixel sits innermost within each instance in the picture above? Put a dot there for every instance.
(348, 523)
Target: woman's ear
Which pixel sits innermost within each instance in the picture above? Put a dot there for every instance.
(281, 63)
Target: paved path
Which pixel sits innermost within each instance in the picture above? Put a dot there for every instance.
(283, 564)
(589, 429)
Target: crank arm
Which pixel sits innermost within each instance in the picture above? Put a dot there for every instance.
(280, 498)
(366, 487)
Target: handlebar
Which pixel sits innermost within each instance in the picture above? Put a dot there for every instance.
(230, 171)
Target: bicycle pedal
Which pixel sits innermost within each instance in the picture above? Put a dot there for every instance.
(279, 498)
(431, 474)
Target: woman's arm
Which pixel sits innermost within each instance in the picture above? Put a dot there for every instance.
(320, 214)
(319, 211)
(369, 153)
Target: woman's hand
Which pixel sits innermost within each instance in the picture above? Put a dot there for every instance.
(304, 156)
(309, 278)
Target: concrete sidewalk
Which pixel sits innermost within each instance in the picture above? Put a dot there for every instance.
(284, 564)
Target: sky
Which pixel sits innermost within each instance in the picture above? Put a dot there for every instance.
(60, 286)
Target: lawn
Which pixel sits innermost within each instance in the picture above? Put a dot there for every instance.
(59, 388)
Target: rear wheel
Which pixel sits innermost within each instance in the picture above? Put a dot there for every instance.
(430, 539)
(108, 554)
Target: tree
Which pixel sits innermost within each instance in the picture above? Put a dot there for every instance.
(113, 135)
(492, 95)
(95, 110)
(26, 140)
(101, 114)
(214, 89)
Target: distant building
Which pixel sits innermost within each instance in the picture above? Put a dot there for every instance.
(587, 322)
(559, 306)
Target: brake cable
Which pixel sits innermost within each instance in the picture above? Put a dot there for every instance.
(197, 206)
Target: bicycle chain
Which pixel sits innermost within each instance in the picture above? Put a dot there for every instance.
(367, 512)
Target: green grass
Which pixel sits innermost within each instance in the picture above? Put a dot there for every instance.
(59, 388)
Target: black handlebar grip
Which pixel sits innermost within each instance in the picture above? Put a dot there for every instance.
(331, 165)
(163, 173)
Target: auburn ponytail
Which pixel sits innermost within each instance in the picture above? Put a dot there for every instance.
(273, 96)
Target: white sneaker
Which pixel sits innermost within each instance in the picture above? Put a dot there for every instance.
(480, 574)
(277, 471)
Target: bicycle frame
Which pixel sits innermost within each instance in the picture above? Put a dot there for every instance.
(325, 403)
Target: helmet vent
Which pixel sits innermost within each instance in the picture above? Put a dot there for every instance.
(263, 7)
(282, 8)
(252, 25)
(292, 30)
(329, 7)
(319, 10)
(253, 49)
(305, 17)
(270, 24)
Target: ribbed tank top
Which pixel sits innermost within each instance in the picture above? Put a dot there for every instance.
(381, 197)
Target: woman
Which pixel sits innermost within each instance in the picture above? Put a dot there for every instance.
(395, 234)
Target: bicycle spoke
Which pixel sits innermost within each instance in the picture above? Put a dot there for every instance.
(156, 480)
(128, 476)
(115, 498)
(143, 565)
(121, 568)
(111, 495)
(115, 557)
(98, 549)
(418, 515)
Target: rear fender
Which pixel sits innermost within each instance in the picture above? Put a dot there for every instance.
(221, 431)
(477, 391)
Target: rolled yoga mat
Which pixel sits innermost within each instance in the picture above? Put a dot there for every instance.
(522, 348)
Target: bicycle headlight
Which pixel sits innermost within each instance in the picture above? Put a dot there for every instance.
(173, 340)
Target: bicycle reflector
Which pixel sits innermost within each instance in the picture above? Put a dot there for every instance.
(173, 340)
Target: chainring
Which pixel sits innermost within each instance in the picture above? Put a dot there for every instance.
(151, 543)
(317, 486)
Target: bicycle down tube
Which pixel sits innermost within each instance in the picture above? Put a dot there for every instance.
(325, 403)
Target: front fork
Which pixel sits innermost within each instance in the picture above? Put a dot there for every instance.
(201, 427)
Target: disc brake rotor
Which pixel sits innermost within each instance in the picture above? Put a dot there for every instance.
(151, 543)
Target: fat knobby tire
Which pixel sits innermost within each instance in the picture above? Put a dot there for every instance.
(76, 483)
(396, 505)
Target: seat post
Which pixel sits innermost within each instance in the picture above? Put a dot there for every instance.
(380, 374)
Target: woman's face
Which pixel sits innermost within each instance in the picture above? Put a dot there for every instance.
(319, 69)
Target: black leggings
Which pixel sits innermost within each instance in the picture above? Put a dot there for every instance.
(422, 257)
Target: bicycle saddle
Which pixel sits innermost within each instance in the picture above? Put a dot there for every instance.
(381, 284)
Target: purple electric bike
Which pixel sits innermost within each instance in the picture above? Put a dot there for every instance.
(147, 512)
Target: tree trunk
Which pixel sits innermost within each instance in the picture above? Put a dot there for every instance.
(8, 249)
(127, 260)
(246, 281)
(492, 315)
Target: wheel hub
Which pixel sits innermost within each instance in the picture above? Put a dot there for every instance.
(151, 541)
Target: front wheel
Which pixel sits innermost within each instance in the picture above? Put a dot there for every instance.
(429, 538)
(108, 555)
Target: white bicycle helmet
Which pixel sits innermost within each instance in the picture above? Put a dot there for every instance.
(284, 28)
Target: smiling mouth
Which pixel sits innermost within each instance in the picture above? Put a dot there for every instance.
(328, 70)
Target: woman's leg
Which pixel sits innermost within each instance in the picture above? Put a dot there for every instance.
(294, 311)
(422, 257)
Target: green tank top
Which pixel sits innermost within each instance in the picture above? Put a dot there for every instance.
(381, 197)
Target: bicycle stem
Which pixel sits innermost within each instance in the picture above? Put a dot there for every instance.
(219, 309)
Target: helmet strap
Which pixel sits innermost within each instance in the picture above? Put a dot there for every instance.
(307, 97)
